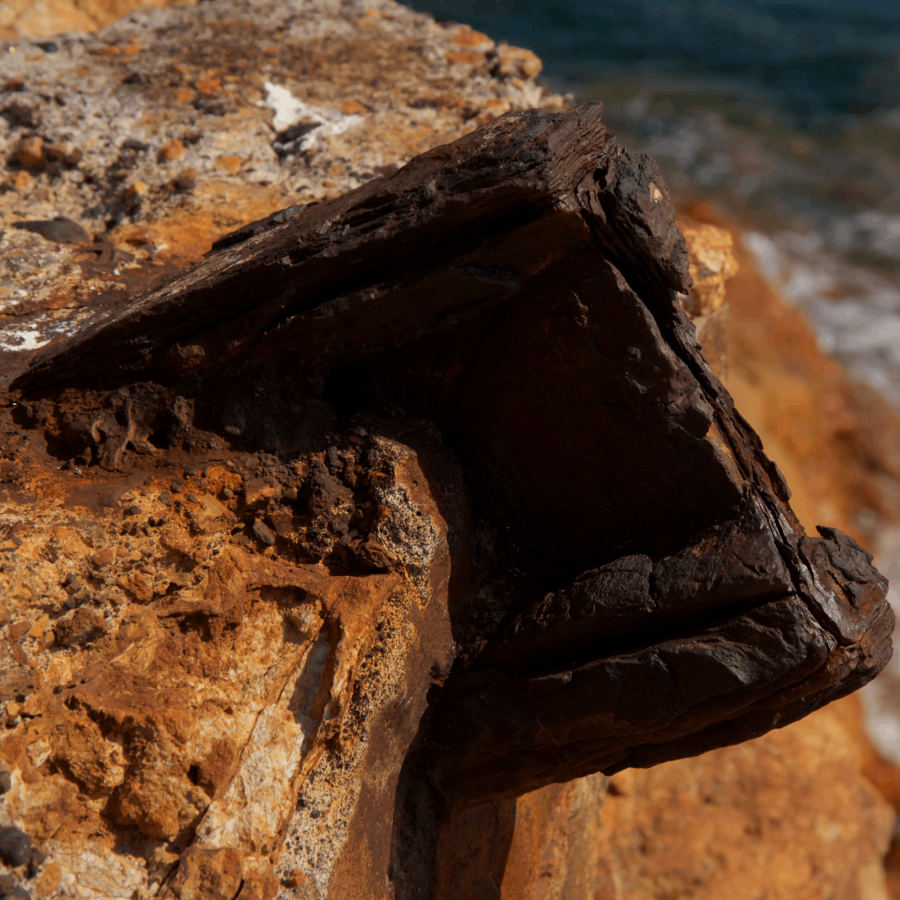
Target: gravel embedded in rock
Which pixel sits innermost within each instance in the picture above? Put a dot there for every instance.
(60, 230)
(262, 532)
(15, 846)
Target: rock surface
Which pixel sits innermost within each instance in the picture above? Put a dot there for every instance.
(709, 620)
(836, 441)
(173, 126)
(271, 549)
(49, 18)
(751, 837)
(731, 822)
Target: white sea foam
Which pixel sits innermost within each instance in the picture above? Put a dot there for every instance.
(870, 230)
(855, 313)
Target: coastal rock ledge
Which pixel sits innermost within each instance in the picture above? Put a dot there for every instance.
(396, 507)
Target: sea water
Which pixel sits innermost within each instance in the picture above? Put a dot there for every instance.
(787, 113)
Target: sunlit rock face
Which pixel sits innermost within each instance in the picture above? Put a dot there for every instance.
(397, 507)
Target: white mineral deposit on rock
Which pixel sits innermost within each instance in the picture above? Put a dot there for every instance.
(290, 111)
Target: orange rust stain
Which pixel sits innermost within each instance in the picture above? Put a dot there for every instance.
(231, 164)
(458, 57)
(172, 150)
(353, 107)
(466, 37)
(208, 85)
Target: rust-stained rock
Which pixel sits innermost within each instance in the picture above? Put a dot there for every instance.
(205, 683)
(729, 824)
(491, 524)
(47, 18)
(154, 157)
(347, 529)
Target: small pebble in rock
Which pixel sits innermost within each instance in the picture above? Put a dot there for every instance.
(5, 780)
(261, 530)
(165, 498)
(193, 498)
(60, 230)
(205, 472)
(31, 152)
(183, 183)
(174, 149)
(133, 510)
(228, 493)
(176, 487)
(15, 846)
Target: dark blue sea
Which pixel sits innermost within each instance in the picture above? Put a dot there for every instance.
(785, 112)
(810, 58)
